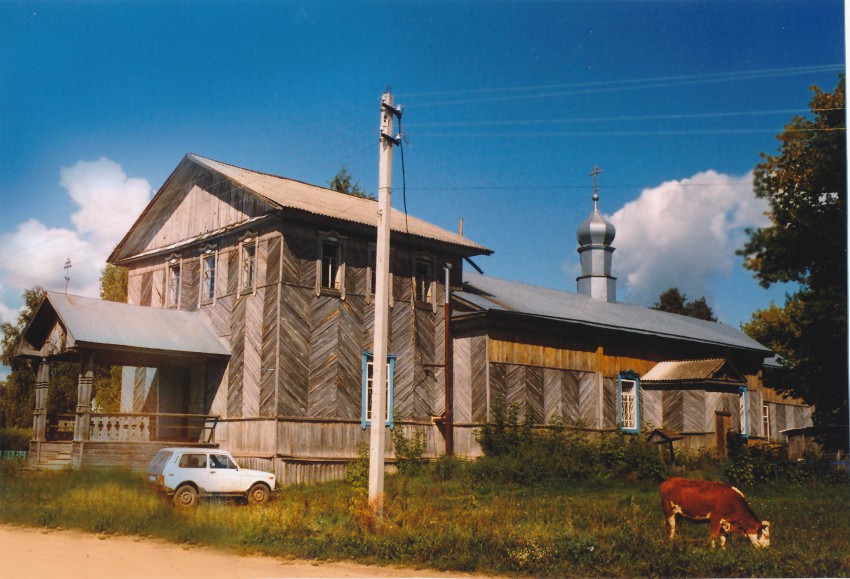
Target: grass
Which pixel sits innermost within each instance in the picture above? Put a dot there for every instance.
(598, 527)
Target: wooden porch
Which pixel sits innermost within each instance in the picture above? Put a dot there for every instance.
(118, 440)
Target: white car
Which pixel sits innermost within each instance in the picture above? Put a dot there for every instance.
(185, 474)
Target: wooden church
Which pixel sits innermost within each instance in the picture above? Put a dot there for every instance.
(249, 325)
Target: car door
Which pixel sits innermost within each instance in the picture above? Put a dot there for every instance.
(223, 474)
(192, 466)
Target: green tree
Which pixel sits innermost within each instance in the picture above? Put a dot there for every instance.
(107, 379)
(343, 182)
(676, 302)
(19, 394)
(805, 185)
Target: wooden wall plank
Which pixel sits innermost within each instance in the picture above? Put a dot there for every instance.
(463, 380)
(694, 411)
(610, 403)
(590, 384)
(481, 398)
(294, 357)
(534, 393)
(324, 345)
(269, 366)
(146, 290)
(672, 409)
(252, 353)
(237, 353)
(651, 407)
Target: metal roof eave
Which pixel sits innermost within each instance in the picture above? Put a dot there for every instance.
(566, 321)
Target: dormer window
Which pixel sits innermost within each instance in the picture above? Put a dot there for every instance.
(331, 267)
(208, 267)
(173, 282)
(423, 279)
(248, 265)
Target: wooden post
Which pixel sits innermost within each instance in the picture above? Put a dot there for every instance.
(39, 418)
(84, 387)
(377, 434)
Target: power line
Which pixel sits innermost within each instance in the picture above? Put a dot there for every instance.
(534, 91)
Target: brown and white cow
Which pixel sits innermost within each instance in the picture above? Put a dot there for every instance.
(722, 505)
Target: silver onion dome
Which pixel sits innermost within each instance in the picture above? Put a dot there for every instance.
(595, 230)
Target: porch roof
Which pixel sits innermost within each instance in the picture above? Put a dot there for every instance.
(64, 325)
(707, 370)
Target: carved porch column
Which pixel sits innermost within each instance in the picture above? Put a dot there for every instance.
(84, 388)
(39, 414)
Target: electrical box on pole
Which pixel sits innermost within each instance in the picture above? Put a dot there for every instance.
(377, 432)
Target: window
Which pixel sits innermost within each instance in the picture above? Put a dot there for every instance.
(743, 419)
(423, 279)
(366, 403)
(208, 277)
(765, 419)
(221, 461)
(629, 407)
(249, 265)
(331, 274)
(173, 289)
(372, 274)
(193, 461)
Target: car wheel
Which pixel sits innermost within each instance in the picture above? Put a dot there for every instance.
(186, 496)
(258, 494)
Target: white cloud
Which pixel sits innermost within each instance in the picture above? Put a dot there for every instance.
(683, 234)
(35, 254)
(109, 201)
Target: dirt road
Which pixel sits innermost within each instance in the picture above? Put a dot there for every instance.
(27, 553)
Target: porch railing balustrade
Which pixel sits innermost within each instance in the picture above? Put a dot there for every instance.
(148, 427)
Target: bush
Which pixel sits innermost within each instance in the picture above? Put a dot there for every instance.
(522, 454)
(408, 451)
(15, 438)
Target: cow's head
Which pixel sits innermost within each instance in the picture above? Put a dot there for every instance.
(762, 537)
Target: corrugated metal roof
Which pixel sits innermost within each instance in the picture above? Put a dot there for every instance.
(684, 370)
(99, 322)
(291, 194)
(493, 294)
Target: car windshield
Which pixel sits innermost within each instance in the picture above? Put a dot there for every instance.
(158, 462)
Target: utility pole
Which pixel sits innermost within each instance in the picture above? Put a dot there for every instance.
(67, 274)
(377, 429)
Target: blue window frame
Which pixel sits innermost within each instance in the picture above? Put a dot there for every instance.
(744, 411)
(366, 398)
(628, 395)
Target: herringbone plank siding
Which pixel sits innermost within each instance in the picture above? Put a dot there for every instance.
(269, 353)
(694, 412)
(478, 376)
(190, 284)
(404, 349)
(147, 288)
(672, 407)
(534, 389)
(463, 380)
(251, 354)
(324, 346)
(237, 353)
(610, 403)
(651, 407)
(294, 359)
(498, 385)
(349, 360)
(589, 386)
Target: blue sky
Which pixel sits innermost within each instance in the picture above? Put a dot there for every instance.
(507, 108)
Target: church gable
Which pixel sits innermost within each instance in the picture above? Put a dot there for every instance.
(194, 202)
